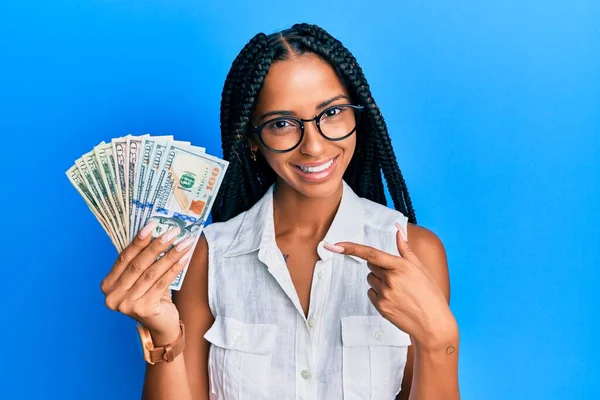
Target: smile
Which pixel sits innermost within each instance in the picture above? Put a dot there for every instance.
(317, 168)
(316, 172)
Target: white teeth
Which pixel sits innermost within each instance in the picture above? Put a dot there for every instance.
(316, 169)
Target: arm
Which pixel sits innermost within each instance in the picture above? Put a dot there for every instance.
(431, 373)
(407, 294)
(186, 378)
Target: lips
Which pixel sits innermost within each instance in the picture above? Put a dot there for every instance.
(316, 166)
(316, 172)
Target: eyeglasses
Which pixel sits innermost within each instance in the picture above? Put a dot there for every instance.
(284, 134)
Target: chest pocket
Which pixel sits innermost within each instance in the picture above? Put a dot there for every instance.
(239, 362)
(374, 356)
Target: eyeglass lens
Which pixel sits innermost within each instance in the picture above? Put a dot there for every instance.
(285, 133)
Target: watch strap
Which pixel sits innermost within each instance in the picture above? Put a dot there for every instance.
(168, 352)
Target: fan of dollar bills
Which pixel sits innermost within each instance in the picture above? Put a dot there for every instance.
(135, 179)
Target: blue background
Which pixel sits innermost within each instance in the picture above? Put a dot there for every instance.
(494, 112)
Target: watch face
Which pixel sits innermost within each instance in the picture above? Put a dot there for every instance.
(145, 341)
(141, 345)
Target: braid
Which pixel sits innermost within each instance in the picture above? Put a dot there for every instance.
(246, 181)
(238, 191)
(250, 90)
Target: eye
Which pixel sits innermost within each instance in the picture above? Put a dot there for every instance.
(333, 111)
(280, 125)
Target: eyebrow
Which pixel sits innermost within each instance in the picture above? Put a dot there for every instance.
(291, 113)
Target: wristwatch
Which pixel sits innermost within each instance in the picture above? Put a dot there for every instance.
(167, 353)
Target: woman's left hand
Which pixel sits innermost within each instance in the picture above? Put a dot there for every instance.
(404, 292)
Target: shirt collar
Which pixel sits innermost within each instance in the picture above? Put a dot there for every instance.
(257, 229)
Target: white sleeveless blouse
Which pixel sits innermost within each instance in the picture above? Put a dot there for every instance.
(262, 345)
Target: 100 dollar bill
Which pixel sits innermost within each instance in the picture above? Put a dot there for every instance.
(186, 189)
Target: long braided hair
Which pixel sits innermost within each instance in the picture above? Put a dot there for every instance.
(246, 181)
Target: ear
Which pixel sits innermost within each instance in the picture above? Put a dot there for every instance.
(252, 145)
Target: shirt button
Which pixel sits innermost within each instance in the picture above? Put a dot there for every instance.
(378, 335)
(312, 322)
(237, 337)
(321, 274)
(305, 374)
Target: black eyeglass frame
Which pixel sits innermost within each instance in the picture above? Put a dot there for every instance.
(257, 130)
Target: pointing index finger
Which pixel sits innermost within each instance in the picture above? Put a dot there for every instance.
(367, 253)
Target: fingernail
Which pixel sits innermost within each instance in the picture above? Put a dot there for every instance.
(170, 235)
(185, 243)
(184, 260)
(401, 231)
(334, 248)
(146, 230)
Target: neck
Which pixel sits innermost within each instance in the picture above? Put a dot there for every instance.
(302, 216)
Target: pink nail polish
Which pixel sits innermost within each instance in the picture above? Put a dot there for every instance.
(184, 244)
(334, 248)
(146, 230)
(170, 235)
(402, 234)
(184, 260)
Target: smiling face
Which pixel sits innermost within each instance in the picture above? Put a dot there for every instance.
(302, 87)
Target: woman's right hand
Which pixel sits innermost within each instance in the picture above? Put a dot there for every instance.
(138, 283)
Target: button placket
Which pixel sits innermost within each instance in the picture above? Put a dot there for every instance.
(304, 358)
(319, 295)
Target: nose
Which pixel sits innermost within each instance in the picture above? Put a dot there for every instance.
(313, 144)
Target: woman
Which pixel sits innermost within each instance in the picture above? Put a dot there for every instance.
(304, 287)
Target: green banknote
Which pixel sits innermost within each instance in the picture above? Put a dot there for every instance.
(134, 179)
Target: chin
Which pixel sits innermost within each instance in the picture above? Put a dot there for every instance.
(321, 190)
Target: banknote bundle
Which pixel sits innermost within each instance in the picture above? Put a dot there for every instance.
(136, 179)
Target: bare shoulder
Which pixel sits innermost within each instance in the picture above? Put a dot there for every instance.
(430, 250)
(424, 240)
(194, 311)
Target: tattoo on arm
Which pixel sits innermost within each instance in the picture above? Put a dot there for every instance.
(450, 350)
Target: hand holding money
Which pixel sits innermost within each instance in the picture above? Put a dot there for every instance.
(138, 284)
(136, 180)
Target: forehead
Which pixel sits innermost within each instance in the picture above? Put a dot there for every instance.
(298, 84)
